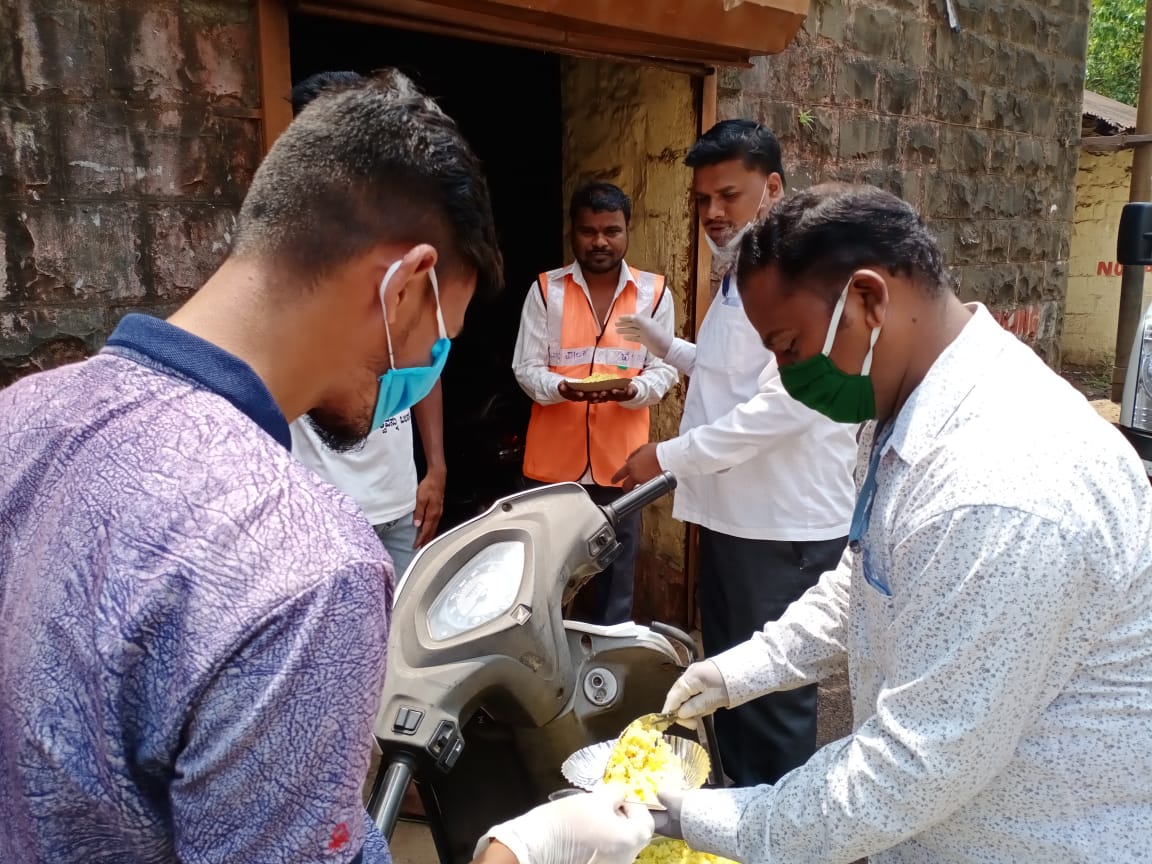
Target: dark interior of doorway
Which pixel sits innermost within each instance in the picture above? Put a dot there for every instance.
(507, 104)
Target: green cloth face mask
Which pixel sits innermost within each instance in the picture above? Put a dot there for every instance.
(818, 383)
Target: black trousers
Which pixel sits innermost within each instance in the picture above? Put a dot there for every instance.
(743, 585)
(607, 598)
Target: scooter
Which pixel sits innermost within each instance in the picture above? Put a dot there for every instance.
(488, 688)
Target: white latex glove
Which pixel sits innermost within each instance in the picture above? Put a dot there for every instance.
(646, 331)
(577, 830)
(697, 693)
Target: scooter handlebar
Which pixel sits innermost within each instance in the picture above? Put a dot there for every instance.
(640, 497)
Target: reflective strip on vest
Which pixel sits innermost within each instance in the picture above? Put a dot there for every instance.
(647, 286)
(621, 358)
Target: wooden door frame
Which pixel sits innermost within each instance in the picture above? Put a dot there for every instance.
(275, 69)
(709, 97)
(702, 298)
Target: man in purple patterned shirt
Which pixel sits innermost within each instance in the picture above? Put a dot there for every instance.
(193, 625)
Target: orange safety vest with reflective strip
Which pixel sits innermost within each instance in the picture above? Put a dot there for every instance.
(567, 438)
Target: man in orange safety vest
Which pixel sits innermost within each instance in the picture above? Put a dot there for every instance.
(568, 333)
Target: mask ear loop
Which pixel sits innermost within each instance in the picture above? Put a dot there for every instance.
(439, 311)
(831, 337)
(763, 198)
(387, 331)
(867, 367)
(836, 314)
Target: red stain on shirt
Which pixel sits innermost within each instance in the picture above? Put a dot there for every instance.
(340, 836)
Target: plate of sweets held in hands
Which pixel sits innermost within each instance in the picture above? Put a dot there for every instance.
(598, 383)
(641, 760)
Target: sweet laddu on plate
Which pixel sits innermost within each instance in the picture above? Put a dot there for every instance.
(665, 851)
(642, 761)
(597, 377)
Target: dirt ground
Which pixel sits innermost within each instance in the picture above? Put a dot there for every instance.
(1107, 409)
(1096, 385)
(1093, 381)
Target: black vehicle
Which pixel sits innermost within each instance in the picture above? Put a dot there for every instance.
(1134, 249)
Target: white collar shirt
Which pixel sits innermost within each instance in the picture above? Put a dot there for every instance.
(751, 461)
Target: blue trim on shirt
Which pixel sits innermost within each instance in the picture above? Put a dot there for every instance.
(730, 297)
(208, 365)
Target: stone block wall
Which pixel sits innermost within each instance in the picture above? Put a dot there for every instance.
(1102, 186)
(129, 131)
(976, 128)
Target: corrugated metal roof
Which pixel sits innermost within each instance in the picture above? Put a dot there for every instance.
(1116, 114)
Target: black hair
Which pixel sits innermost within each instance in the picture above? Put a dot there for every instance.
(314, 85)
(366, 164)
(600, 198)
(750, 142)
(818, 237)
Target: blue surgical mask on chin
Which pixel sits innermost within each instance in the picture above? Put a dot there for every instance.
(400, 389)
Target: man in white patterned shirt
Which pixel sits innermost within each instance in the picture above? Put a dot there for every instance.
(995, 601)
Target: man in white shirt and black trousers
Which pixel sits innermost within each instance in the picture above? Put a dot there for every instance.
(767, 479)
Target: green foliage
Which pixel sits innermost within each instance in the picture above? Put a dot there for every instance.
(1115, 39)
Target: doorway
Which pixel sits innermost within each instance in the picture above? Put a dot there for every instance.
(541, 123)
(507, 104)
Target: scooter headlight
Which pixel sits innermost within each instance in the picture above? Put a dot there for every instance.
(481, 591)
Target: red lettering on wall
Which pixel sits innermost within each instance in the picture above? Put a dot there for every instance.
(1023, 323)
(1112, 268)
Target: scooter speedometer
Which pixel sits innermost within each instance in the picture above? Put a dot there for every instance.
(481, 591)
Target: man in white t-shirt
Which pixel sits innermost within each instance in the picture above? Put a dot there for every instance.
(380, 476)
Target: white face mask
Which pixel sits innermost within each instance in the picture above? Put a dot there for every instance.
(731, 246)
(727, 252)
